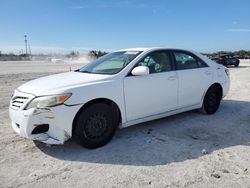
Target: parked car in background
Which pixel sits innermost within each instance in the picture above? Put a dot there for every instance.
(120, 89)
(227, 60)
(246, 57)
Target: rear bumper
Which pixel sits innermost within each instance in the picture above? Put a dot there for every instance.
(233, 63)
(59, 119)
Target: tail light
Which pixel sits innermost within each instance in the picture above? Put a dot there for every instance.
(227, 72)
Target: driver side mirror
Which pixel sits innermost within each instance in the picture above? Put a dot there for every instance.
(140, 71)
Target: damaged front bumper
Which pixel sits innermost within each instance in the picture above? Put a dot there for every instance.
(49, 125)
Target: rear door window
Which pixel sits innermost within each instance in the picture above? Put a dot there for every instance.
(185, 60)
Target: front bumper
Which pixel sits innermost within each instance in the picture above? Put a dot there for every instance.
(59, 119)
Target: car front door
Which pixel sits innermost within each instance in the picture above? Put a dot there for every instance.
(194, 75)
(154, 93)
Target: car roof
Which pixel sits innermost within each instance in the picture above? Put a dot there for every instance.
(152, 48)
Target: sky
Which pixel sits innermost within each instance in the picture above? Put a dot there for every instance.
(65, 25)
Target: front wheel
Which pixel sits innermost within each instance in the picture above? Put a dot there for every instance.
(212, 100)
(95, 125)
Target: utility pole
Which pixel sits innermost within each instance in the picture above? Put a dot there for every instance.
(29, 50)
(25, 40)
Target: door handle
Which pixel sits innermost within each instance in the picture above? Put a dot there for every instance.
(172, 78)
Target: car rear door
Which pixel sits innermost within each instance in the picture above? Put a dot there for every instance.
(194, 75)
(154, 93)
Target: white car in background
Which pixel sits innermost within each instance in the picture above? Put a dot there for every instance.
(120, 89)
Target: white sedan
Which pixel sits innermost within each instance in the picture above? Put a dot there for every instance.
(120, 89)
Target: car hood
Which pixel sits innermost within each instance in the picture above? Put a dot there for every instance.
(48, 84)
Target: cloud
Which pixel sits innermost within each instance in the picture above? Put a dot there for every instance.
(239, 30)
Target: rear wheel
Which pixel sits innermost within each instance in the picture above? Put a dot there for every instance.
(96, 125)
(212, 100)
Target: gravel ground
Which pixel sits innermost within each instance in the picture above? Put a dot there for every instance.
(185, 150)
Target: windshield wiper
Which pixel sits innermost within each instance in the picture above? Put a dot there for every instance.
(95, 72)
(85, 71)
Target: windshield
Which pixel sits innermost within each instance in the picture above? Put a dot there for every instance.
(111, 63)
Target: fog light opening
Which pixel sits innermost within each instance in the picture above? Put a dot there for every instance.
(40, 129)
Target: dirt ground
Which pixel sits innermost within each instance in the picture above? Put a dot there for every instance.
(185, 150)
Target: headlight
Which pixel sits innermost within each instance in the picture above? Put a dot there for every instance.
(47, 101)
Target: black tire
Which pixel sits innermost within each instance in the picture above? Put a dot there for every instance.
(212, 100)
(95, 126)
(237, 64)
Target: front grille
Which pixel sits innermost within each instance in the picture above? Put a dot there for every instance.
(18, 101)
